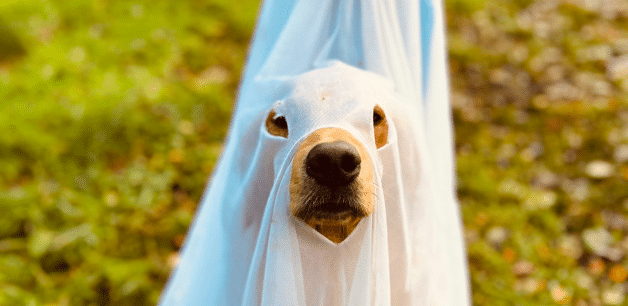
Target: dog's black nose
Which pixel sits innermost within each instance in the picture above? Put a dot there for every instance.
(333, 164)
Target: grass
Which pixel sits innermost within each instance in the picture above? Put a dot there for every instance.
(114, 115)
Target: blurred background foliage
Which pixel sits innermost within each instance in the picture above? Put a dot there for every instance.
(113, 114)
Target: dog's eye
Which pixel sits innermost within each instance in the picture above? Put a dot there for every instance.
(380, 127)
(277, 125)
(281, 123)
(377, 118)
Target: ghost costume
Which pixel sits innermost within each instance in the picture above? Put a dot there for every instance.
(320, 64)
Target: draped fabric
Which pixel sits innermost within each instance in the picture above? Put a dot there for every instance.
(244, 247)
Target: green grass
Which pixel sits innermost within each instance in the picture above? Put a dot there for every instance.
(113, 117)
(523, 157)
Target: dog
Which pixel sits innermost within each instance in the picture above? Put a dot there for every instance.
(331, 182)
(335, 186)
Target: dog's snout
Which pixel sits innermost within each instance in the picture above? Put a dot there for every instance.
(333, 164)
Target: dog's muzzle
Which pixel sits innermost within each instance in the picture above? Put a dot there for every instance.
(331, 186)
(331, 170)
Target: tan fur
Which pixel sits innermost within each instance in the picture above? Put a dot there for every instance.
(334, 230)
(381, 129)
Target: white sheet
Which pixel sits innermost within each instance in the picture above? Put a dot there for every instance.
(244, 248)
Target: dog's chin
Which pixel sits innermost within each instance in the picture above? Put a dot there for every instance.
(334, 216)
(333, 220)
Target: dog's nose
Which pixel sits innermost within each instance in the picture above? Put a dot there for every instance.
(333, 164)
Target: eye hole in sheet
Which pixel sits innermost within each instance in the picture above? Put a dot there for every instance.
(380, 125)
(277, 125)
